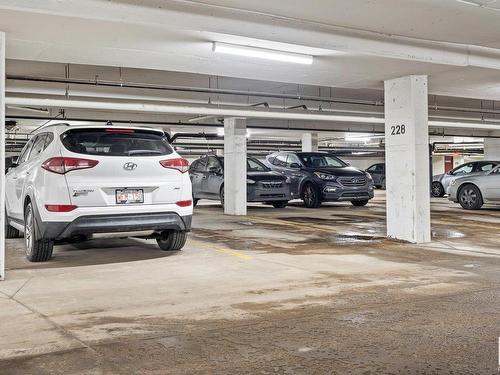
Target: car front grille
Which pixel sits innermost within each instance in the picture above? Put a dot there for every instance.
(272, 184)
(353, 181)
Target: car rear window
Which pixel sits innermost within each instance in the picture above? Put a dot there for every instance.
(116, 142)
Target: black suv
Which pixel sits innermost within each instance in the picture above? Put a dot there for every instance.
(263, 185)
(319, 176)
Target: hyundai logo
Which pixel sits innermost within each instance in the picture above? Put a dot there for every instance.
(129, 166)
(355, 180)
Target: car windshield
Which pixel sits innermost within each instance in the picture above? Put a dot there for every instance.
(116, 142)
(253, 165)
(321, 160)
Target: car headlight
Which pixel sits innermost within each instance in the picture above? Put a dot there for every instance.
(325, 176)
(369, 176)
(250, 181)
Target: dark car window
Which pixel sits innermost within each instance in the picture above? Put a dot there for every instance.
(199, 165)
(26, 151)
(48, 140)
(280, 160)
(253, 165)
(463, 169)
(213, 162)
(373, 168)
(485, 166)
(292, 159)
(116, 142)
(38, 146)
(319, 160)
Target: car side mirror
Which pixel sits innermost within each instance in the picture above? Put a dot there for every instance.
(295, 165)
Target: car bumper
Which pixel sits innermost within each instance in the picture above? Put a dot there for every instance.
(117, 223)
(268, 195)
(331, 192)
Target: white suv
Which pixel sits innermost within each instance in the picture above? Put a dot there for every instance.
(73, 182)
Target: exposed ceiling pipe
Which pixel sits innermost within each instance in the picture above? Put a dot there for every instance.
(150, 86)
(227, 112)
(192, 110)
(207, 125)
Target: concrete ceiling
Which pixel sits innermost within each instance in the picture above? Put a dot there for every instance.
(356, 43)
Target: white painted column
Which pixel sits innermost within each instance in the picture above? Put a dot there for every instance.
(235, 166)
(2, 155)
(492, 149)
(309, 142)
(407, 159)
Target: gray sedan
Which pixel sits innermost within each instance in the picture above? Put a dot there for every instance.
(474, 190)
(441, 182)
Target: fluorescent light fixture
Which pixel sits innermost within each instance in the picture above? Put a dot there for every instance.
(261, 53)
(357, 137)
(469, 3)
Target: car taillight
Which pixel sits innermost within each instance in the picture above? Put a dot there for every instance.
(184, 203)
(180, 164)
(60, 207)
(62, 165)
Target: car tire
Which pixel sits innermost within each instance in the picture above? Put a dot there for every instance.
(11, 232)
(437, 190)
(310, 196)
(172, 240)
(221, 196)
(37, 249)
(360, 203)
(470, 197)
(279, 204)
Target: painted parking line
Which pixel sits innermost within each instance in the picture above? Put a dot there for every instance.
(221, 249)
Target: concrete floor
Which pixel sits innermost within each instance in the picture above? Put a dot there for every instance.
(292, 291)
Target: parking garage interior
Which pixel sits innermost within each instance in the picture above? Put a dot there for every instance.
(406, 284)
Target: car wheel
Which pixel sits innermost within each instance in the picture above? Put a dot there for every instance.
(360, 203)
(37, 249)
(310, 196)
(172, 240)
(11, 232)
(280, 204)
(437, 189)
(470, 197)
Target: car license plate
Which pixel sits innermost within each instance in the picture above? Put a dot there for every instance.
(126, 196)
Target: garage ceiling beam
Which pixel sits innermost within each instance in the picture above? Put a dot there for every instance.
(231, 21)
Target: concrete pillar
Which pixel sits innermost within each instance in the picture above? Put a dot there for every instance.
(407, 159)
(2, 155)
(492, 149)
(235, 166)
(309, 142)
